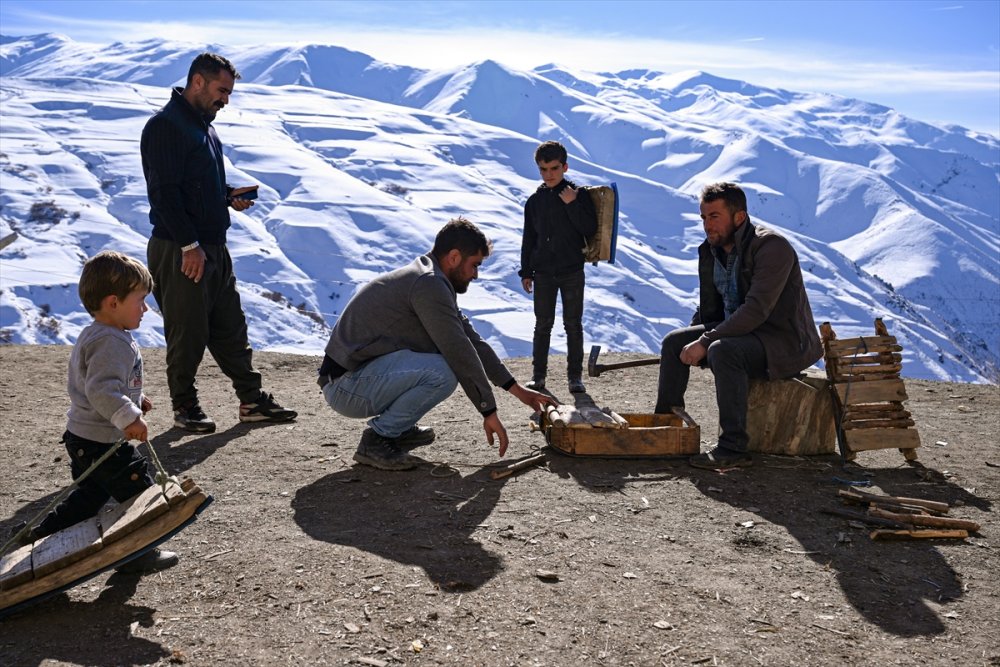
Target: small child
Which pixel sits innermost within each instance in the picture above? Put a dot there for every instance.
(558, 220)
(106, 400)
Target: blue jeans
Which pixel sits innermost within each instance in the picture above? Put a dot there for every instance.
(733, 362)
(547, 287)
(396, 389)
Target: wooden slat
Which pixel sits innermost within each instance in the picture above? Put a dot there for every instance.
(867, 369)
(67, 546)
(15, 568)
(877, 423)
(880, 358)
(862, 345)
(870, 392)
(888, 534)
(126, 517)
(923, 520)
(882, 438)
(865, 497)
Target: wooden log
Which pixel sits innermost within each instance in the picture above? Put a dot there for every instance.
(517, 466)
(866, 439)
(887, 534)
(621, 421)
(554, 417)
(864, 496)
(877, 423)
(850, 393)
(793, 417)
(922, 520)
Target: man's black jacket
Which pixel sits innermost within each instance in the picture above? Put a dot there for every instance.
(185, 175)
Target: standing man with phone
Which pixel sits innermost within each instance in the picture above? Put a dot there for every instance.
(195, 287)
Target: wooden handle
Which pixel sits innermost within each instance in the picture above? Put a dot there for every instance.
(884, 534)
(519, 465)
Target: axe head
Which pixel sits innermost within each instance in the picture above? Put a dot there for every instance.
(593, 370)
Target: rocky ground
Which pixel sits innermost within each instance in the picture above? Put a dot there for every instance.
(305, 558)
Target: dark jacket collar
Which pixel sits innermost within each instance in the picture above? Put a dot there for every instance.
(177, 97)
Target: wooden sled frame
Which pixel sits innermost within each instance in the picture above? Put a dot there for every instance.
(603, 245)
(92, 563)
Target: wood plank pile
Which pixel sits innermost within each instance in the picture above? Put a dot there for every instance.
(868, 392)
(905, 518)
(75, 554)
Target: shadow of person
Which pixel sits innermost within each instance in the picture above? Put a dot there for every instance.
(77, 632)
(898, 586)
(414, 518)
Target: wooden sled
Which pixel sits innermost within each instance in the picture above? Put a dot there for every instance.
(602, 246)
(585, 433)
(114, 537)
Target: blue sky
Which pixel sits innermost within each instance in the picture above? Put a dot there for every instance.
(936, 61)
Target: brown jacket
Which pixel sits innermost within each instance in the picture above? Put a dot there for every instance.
(773, 302)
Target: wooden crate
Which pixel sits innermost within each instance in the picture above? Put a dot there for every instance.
(647, 435)
(794, 417)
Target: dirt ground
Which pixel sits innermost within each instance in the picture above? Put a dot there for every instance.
(305, 558)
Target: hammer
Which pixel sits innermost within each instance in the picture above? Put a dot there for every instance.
(594, 369)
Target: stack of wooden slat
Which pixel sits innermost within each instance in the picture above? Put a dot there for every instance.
(909, 518)
(73, 555)
(868, 392)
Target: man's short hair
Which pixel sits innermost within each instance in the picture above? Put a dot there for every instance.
(549, 151)
(209, 65)
(110, 272)
(732, 194)
(462, 235)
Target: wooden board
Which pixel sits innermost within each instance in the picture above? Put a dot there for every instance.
(16, 589)
(877, 391)
(793, 417)
(648, 435)
(883, 438)
(129, 515)
(601, 247)
(67, 546)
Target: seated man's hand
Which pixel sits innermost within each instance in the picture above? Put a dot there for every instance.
(492, 425)
(693, 353)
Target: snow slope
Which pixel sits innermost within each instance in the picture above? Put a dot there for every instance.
(361, 162)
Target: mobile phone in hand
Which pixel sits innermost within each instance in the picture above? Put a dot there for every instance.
(248, 195)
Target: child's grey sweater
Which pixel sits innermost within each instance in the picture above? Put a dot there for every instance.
(105, 383)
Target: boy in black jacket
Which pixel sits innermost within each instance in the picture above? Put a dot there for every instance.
(558, 219)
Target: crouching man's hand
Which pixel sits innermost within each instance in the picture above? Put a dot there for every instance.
(492, 425)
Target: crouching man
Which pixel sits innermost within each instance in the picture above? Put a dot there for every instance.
(402, 345)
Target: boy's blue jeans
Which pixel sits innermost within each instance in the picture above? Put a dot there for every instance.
(396, 390)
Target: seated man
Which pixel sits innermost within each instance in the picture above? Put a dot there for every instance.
(753, 320)
(402, 344)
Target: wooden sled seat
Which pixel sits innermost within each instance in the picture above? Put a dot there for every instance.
(610, 435)
(115, 536)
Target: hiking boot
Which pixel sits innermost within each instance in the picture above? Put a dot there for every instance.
(191, 417)
(576, 386)
(151, 561)
(413, 437)
(265, 409)
(720, 457)
(383, 453)
(537, 383)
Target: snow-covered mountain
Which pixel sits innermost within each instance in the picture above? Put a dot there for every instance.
(361, 162)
